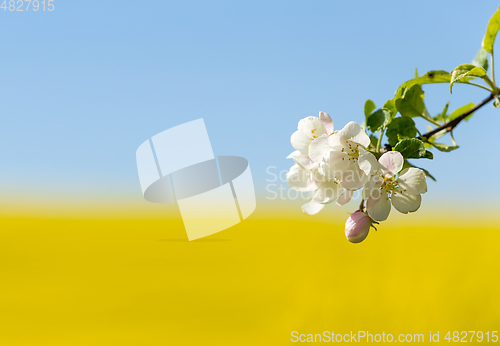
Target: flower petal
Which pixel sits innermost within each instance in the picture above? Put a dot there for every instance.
(327, 122)
(367, 162)
(344, 198)
(354, 178)
(317, 174)
(355, 133)
(319, 148)
(335, 164)
(337, 142)
(379, 206)
(372, 186)
(312, 208)
(391, 162)
(301, 159)
(298, 179)
(340, 160)
(328, 192)
(312, 127)
(300, 142)
(412, 181)
(406, 203)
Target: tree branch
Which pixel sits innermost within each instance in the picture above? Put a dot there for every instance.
(452, 124)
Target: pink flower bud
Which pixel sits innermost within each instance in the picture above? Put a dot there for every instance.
(357, 227)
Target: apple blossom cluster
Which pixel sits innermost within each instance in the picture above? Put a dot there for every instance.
(331, 165)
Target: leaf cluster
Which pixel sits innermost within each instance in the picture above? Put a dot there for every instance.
(395, 119)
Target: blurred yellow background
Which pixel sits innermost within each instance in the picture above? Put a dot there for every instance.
(126, 275)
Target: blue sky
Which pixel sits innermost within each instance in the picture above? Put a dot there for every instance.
(83, 86)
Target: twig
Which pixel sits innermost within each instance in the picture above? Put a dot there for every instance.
(452, 124)
(362, 204)
(379, 142)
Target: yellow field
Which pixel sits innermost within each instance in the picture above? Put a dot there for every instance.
(88, 279)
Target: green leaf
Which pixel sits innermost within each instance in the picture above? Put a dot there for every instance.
(431, 77)
(429, 155)
(443, 147)
(406, 164)
(491, 31)
(465, 71)
(443, 115)
(369, 107)
(400, 128)
(391, 106)
(481, 59)
(413, 148)
(459, 111)
(412, 104)
(496, 103)
(378, 120)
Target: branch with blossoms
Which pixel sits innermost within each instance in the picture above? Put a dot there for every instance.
(331, 164)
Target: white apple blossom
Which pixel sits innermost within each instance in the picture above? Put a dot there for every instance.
(309, 129)
(345, 153)
(327, 192)
(307, 175)
(387, 186)
(301, 179)
(302, 160)
(323, 190)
